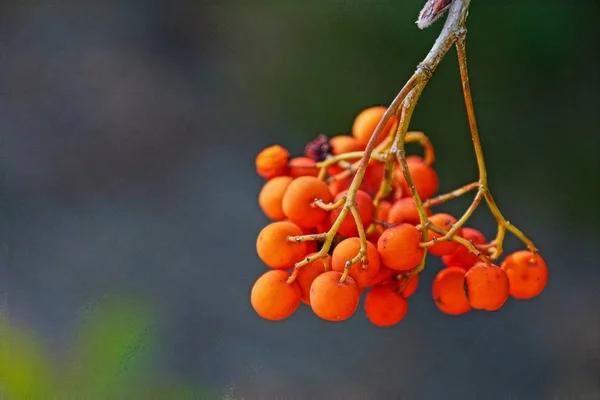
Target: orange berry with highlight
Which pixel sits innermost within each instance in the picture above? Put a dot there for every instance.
(445, 222)
(307, 274)
(488, 287)
(272, 161)
(271, 196)
(527, 273)
(366, 121)
(424, 177)
(461, 257)
(348, 249)
(273, 298)
(384, 306)
(274, 249)
(331, 299)
(341, 144)
(405, 211)
(448, 291)
(302, 166)
(399, 247)
(298, 201)
(366, 210)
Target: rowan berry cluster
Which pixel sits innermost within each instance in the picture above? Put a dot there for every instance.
(335, 238)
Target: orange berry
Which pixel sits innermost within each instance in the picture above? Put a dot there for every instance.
(298, 201)
(274, 249)
(344, 144)
(461, 256)
(334, 169)
(445, 222)
(332, 300)
(339, 185)
(384, 275)
(366, 209)
(488, 287)
(527, 273)
(374, 174)
(302, 166)
(271, 195)
(423, 176)
(273, 298)
(399, 247)
(365, 123)
(383, 211)
(397, 191)
(405, 210)
(448, 291)
(384, 307)
(370, 184)
(409, 289)
(307, 274)
(348, 249)
(272, 161)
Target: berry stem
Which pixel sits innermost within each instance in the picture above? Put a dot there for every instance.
(341, 159)
(329, 206)
(468, 244)
(423, 140)
(451, 195)
(463, 220)
(503, 224)
(388, 174)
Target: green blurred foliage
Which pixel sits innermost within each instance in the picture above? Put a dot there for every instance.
(111, 358)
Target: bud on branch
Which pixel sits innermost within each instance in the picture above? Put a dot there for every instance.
(432, 11)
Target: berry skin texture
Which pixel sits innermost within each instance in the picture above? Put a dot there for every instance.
(298, 201)
(399, 248)
(273, 298)
(271, 196)
(365, 207)
(448, 291)
(528, 274)
(405, 211)
(445, 222)
(461, 256)
(344, 144)
(488, 287)
(332, 300)
(348, 249)
(306, 276)
(424, 177)
(273, 248)
(365, 123)
(384, 307)
(272, 162)
(302, 166)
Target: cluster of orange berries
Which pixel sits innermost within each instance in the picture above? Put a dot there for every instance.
(331, 285)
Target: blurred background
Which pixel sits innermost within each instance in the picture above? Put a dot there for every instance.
(129, 196)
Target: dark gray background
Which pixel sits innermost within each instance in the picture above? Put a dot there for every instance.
(129, 134)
